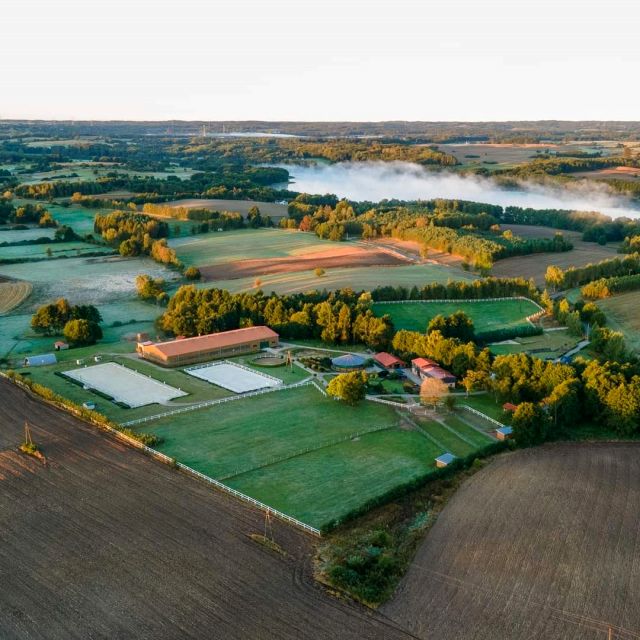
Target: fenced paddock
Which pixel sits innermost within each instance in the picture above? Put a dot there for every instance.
(233, 376)
(124, 385)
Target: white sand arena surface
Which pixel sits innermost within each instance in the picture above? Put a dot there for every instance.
(233, 377)
(125, 385)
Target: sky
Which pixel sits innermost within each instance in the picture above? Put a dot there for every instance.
(320, 59)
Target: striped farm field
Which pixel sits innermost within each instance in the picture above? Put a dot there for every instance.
(13, 293)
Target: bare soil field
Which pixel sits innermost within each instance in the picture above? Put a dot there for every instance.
(103, 542)
(544, 543)
(535, 265)
(340, 256)
(411, 250)
(271, 209)
(13, 293)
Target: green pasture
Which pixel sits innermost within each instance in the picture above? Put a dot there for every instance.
(225, 439)
(447, 438)
(486, 316)
(328, 483)
(484, 402)
(357, 278)
(246, 244)
(470, 427)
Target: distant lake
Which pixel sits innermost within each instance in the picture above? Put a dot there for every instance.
(377, 181)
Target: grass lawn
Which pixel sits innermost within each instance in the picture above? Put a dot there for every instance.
(484, 403)
(462, 426)
(486, 316)
(226, 439)
(356, 278)
(328, 483)
(623, 314)
(245, 244)
(447, 438)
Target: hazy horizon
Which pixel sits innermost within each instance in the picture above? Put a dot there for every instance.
(318, 61)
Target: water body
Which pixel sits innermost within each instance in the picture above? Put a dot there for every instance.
(375, 181)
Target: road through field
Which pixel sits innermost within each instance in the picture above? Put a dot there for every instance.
(544, 543)
(104, 542)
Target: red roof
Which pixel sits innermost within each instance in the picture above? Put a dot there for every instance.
(508, 406)
(213, 341)
(440, 373)
(422, 363)
(387, 360)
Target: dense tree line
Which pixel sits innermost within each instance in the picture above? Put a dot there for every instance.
(606, 287)
(576, 276)
(341, 317)
(136, 234)
(80, 324)
(460, 290)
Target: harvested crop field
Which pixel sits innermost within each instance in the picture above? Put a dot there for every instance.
(356, 278)
(345, 257)
(544, 543)
(271, 209)
(13, 293)
(534, 266)
(104, 542)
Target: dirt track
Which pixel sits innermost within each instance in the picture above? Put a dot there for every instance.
(544, 543)
(334, 258)
(107, 543)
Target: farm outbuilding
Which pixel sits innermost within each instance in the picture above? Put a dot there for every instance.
(40, 361)
(444, 460)
(509, 406)
(59, 345)
(388, 361)
(182, 351)
(426, 368)
(502, 433)
(348, 362)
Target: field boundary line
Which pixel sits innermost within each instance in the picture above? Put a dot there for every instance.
(302, 452)
(168, 460)
(458, 435)
(427, 435)
(482, 415)
(211, 403)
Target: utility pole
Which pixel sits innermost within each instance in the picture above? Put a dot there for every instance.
(610, 634)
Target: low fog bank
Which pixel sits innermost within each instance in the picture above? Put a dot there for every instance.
(377, 181)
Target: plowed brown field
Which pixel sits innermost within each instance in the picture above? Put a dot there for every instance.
(104, 542)
(544, 543)
(339, 257)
